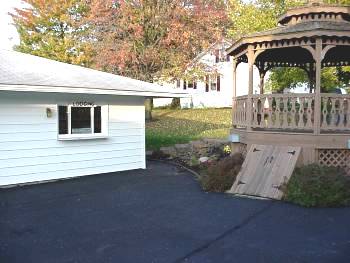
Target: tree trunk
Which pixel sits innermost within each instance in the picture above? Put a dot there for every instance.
(148, 108)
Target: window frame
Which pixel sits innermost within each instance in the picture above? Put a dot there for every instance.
(84, 136)
(212, 82)
(191, 85)
(217, 81)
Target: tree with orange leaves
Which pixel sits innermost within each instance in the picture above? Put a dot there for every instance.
(54, 29)
(153, 39)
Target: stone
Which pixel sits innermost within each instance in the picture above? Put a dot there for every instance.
(168, 150)
(203, 159)
(182, 147)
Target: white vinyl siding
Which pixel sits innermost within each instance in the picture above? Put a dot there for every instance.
(30, 150)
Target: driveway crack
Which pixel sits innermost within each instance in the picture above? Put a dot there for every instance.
(230, 231)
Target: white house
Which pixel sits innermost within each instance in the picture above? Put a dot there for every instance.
(59, 120)
(213, 91)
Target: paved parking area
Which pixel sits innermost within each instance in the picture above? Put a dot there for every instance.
(161, 215)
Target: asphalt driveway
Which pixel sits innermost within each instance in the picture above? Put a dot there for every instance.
(161, 215)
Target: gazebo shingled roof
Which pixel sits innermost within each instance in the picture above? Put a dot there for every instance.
(300, 27)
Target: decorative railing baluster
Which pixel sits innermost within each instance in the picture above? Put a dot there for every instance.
(309, 113)
(293, 112)
(341, 120)
(335, 112)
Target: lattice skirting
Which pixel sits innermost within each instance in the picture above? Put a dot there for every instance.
(335, 158)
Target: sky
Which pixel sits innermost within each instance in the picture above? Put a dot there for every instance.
(8, 33)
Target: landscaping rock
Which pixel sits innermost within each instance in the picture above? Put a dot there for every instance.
(169, 150)
(201, 151)
(203, 159)
(182, 147)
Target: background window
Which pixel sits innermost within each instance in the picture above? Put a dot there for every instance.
(192, 85)
(213, 84)
(217, 56)
(218, 83)
(207, 83)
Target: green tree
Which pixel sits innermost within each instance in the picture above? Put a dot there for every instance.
(248, 17)
(281, 78)
(53, 29)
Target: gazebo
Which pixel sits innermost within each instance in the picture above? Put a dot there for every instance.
(310, 37)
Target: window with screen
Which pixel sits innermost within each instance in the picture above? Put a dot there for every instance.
(81, 121)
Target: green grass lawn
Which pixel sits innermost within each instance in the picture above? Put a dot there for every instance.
(169, 127)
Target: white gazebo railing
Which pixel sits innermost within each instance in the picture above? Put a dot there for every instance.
(335, 113)
(292, 112)
(239, 113)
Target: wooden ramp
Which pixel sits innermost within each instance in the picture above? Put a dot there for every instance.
(265, 170)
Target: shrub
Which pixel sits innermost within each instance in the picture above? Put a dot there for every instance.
(318, 186)
(175, 104)
(221, 176)
(160, 155)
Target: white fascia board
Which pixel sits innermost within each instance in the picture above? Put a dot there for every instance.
(74, 90)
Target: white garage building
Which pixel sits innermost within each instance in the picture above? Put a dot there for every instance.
(60, 121)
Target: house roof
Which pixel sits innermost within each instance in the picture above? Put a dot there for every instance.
(23, 72)
(209, 49)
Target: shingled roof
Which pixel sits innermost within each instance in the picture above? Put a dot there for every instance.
(312, 20)
(23, 72)
(305, 27)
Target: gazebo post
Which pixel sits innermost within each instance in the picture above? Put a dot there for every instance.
(234, 82)
(234, 78)
(317, 107)
(250, 56)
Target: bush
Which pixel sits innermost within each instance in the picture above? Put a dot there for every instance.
(159, 155)
(221, 176)
(318, 186)
(175, 104)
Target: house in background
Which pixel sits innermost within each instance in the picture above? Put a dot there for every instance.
(215, 90)
(60, 121)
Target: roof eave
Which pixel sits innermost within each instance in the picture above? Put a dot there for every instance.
(313, 9)
(280, 36)
(92, 91)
